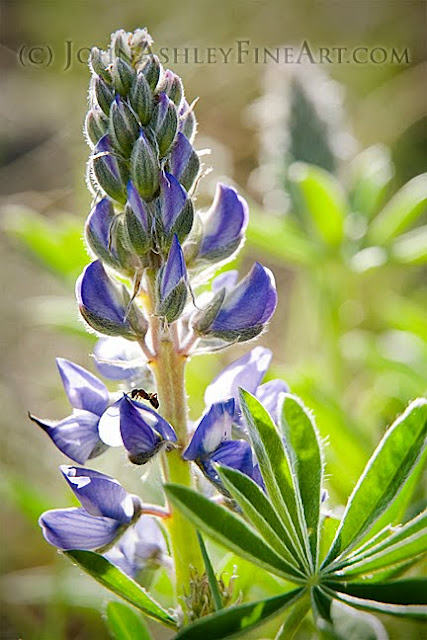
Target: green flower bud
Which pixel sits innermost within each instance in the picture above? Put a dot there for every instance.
(104, 95)
(99, 63)
(110, 170)
(120, 45)
(124, 127)
(144, 167)
(96, 125)
(141, 98)
(138, 236)
(165, 123)
(151, 69)
(122, 76)
(171, 85)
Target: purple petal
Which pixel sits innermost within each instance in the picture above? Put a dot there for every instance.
(213, 429)
(76, 529)
(270, 394)
(246, 372)
(98, 297)
(137, 205)
(104, 147)
(251, 303)
(224, 225)
(225, 280)
(118, 359)
(83, 389)
(236, 454)
(99, 494)
(98, 229)
(76, 436)
(172, 200)
(143, 430)
(180, 155)
(175, 270)
(141, 545)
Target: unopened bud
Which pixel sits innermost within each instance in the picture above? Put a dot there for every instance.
(187, 120)
(141, 98)
(99, 62)
(137, 220)
(96, 125)
(184, 161)
(120, 45)
(104, 95)
(165, 123)
(124, 127)
(110, 170)
(122, 76)
(144, 167)
(151, 69)
(171, 85)
(172, 284)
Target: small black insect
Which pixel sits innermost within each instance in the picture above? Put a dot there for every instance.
(141, 394)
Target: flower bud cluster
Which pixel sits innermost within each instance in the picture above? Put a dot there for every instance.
(143, 229)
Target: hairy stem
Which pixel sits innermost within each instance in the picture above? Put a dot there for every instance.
(168, 367)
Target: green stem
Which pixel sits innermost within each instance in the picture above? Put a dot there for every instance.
(168, 367)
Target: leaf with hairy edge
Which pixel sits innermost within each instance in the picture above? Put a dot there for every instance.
(383, 477)
(124, 623)
(408, 591)
(238, 619)
(277, 472)
(303, 441)
(259, 510)
(116, 581)
(376, 604)
(395, 534)
(409, 548)
(228, 529)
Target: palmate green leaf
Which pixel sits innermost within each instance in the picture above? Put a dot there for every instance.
(124, 623)
(323, 199)
(303, 440)
(382, 599)
(401, 211)
(383, 477)
(228, 529)
(238, 620)
(116, 581)
(276, 470)
(409, 591)
(259, 510)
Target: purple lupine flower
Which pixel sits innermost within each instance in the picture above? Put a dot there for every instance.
(142, 546)
(172, 284)
(247, 372)
(176, 208)
(77, 435)
(144, 432)
(103, 305)
(120, 359)
(106, 512)
(211, 442)
(241, 312)
(137, 427)
(224, 225)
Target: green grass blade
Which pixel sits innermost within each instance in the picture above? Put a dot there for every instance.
(124, 623)
(228, 529)
(238, 620)
(116, 581)
(383, 477)
(303, 440)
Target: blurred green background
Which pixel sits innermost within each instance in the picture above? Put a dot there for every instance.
(350, 331)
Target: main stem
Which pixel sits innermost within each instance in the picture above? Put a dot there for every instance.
(168, 367)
